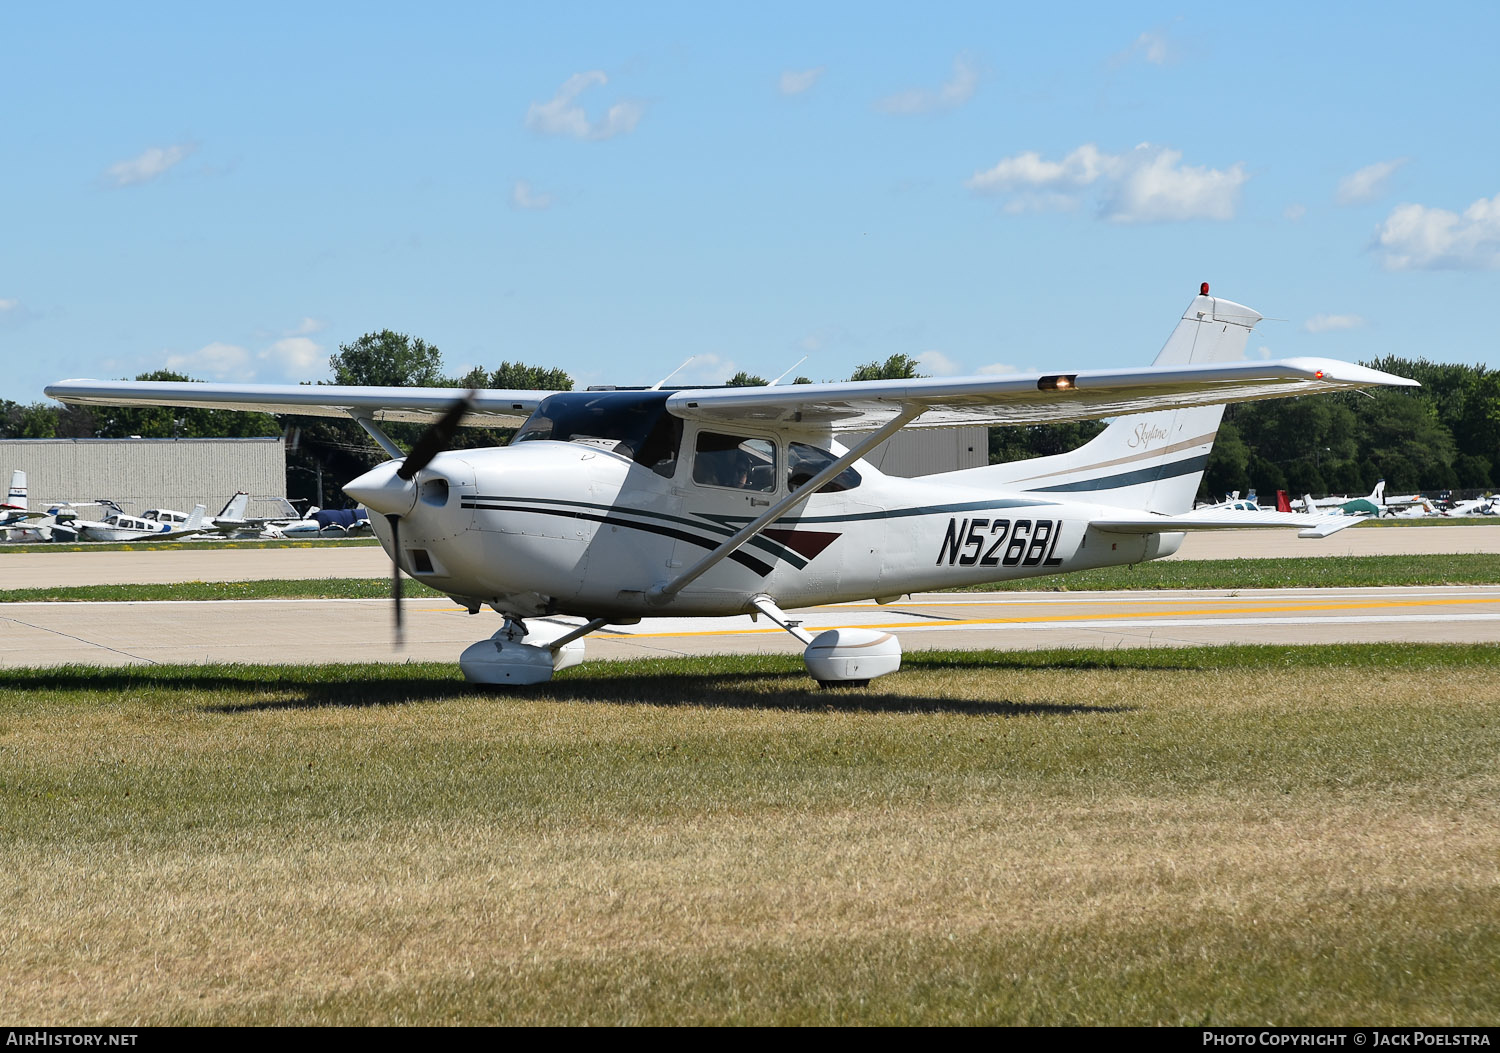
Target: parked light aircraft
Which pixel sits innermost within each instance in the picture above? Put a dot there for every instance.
(1349, 506)
(609, 507)
(14, 512)
(231, 520)
(1480, 506)
(118, 526)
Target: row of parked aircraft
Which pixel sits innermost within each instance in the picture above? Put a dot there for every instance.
(18, 522)
(1374, 505)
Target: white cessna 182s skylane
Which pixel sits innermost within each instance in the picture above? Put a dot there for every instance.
(612, 506)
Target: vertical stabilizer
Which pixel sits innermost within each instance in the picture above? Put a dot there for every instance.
(234, 508)
(1147, 460)
(16, 499)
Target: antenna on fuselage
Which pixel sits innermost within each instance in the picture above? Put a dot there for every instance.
(779, 379)
(669, 376)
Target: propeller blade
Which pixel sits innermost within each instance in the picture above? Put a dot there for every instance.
(395, 522)
(436, 438)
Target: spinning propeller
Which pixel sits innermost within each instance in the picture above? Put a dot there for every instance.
(390, 489)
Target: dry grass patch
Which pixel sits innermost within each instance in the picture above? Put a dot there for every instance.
(1114, 838)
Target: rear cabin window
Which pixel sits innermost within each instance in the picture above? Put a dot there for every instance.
(804, 461)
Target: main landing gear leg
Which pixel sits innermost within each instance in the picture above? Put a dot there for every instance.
(838, 657)
(550, 644)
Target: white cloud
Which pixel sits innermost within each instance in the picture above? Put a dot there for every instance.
(1294, 212)
(956, 91)
(153, 162)
(1415, 237)
(308, 325)
(795, 82)
(563, 117)
(1366, 184)
(291, 358)
(14, 313)
(997, 369)
(1080, 168)
(1329, 323)
(1263, 351)
(217, 360)
(937, 364)
(1147, 185)
(522, 196)
(707, 368)
(295, 357)
(1151, 46)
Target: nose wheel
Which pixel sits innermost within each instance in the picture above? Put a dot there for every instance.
(520, 654)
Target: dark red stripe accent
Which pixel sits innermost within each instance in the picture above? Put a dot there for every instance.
(806, 543)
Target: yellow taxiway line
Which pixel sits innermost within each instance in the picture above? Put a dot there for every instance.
(1262, 608)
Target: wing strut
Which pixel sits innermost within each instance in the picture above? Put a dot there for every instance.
(381, 438)
(660, 594)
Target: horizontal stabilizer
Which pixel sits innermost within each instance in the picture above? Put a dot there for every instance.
(1313, 526)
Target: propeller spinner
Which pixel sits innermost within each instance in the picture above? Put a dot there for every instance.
(389, 490)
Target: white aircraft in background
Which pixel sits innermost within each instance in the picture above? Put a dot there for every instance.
(119, 526)
(18, 522)
(229, 522)
(319, 522)
(1349, 506)
(1480, 506)
(1420, 508)
(14, 512)
(613, 506)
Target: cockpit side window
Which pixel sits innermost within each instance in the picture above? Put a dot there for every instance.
(735, 462)
(633, 424)
(804, 462)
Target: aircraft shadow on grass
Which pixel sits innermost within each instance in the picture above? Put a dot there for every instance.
(788, 691)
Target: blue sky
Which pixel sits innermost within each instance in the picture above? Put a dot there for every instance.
(232, 193)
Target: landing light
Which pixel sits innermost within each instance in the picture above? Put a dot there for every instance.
(1057, 383)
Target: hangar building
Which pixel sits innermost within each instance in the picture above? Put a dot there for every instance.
(139, 474)
(927, 451)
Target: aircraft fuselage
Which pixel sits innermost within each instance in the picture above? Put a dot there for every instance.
(558, 527)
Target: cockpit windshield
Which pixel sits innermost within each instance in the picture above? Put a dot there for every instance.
(633, 424)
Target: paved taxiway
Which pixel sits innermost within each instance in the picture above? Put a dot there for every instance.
(39, 634)
(187, 562)
(359, 630)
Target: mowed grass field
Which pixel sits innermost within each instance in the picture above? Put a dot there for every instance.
(1238, 835)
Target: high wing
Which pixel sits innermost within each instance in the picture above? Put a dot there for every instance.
(420, 405)
(1030, 398)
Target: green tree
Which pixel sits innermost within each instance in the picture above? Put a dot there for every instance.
(1228, 467)
(897, 367)
(35, 421)
(745, 380)
(388, 359)
(522, 377)
(179, 422)
(1020, 443)
(1401, 435)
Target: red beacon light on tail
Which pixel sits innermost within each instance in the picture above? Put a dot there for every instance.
(1203, 289)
